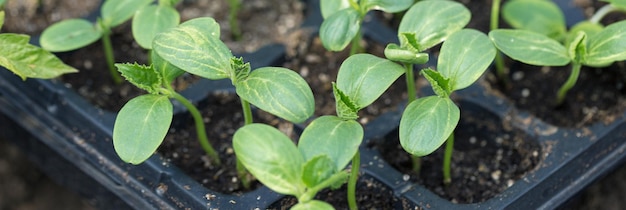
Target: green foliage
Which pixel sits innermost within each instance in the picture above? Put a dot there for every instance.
(144, 77)
(116, 12)
(342, 19)
(344, 135)
(151, 20)
(530, 47)
(427, 122)
(26, 60)
(141, 126)
(312, 205)
(541, 16)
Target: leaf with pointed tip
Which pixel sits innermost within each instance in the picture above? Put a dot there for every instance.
(364, 77)
(151, 20)
(433, 21)
(426, 124)
(279, 91)
(29, 61)
(439, 83)
(313, 205)
(464, 57)
(390, 6)
(339, 29)
(116, 12)
(578, 48)
(608, 45)
(143, 77)
(271, 157)
(530, 47)
(69, 35)
(591, 29)
(344, 106)
(195, 47)
(546, 17)
(167, 71)
(317, 169)
(337, 138)
(141, 126)
(330, 7)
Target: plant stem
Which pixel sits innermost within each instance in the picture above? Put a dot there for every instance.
(232, 18)
(571, 81)
(354, 176)
(310, 193)
(200, 130)
(499, 61)
(447, 158)
(356, 44)
(108, 52)
(412, 96)
(242, 173)
(602, 12)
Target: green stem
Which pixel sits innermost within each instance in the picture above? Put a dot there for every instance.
(499, 60)
(412, 96)
(495, 13)
(232, 18)
(200, 130)
(242, 173)
(356, 44)
(447, 158)
(354, 176)
(571, 81)
(602, 12)
(310, 193)
(108, 52)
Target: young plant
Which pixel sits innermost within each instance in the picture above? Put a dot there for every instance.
(427, 122)
(153, 19)
(72, 34)
(599, 49)
(342, 20)
(194, 46)
(326, 145)
(233, 11)
(424, 25)
(26, 60)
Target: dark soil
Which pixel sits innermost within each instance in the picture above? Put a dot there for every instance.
(33, 16)
(319, 67)
(370, 194)
(488, 157)
(222, 117)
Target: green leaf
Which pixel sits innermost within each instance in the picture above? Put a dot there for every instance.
(332, 136)
(396, 53)
(69, 35)
(591, 29)
(195, 47)
(608, 45)
(390, 6)
(151, 20)
(317, 169)
(364, 77)
(464, 57)
(330, 7)
(439, 83)
(271, 157)
(617, 3)
(530, 47)
(344, 106)
(167, 71)
(578, 48)
(279, 91)
(144, 77)
(27, 60)
(141, 126)
(426, 124)
(546, 17)
(433, 21)
(339, 29)
(313, 205)
(116, 12)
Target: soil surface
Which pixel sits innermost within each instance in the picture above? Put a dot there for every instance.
(488, 157)
(33, 16)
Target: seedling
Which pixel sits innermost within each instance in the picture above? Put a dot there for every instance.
(72, 34)
(326, 145)
(153, 19)
(194, 46)
(342, 20)
(26, 60)
(599, 49)
(424, 25)
(233, 11)
(427, 122)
